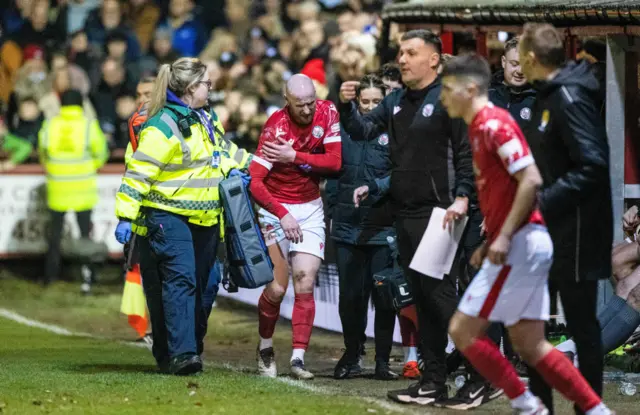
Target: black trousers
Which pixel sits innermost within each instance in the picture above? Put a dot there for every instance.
(356, 266)
(436, 301)
(579, 302)
(56, 225)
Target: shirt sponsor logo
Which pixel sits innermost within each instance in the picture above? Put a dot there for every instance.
(427, 111)
(546, 116)
(525, 113)
(317, 132)
(383, 140)
(396, 110)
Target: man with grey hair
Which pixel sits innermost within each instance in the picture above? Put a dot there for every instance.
(298, 143)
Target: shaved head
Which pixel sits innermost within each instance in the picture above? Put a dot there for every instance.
(300, 94)
(301, 87)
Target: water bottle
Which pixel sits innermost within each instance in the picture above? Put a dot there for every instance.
(460, 381)
(627, 389)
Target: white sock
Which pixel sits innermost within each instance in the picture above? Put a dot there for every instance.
(265, 343)
(600, 409)
(567, 346)
(410, 354)
(525, 401)
(298, 354)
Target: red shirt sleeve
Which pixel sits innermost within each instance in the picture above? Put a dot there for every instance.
(507, 140)
(259, 170)
(331, 159)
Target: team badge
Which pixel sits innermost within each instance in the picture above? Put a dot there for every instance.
(427, 111)
(383, 140)
(317, 131)
(545, 120)
(525, 113)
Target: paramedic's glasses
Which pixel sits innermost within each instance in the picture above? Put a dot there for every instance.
(209, 84)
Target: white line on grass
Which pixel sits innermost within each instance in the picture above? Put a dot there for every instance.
(13, 316)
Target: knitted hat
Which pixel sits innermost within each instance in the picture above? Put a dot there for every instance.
(314, 69)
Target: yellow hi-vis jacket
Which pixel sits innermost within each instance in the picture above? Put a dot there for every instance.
(72, 148)
(175, 173)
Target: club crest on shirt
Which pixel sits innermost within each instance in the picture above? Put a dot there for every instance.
(525, 113)
(427, 111)
(383, 140)
(546, 116)
(317, 131)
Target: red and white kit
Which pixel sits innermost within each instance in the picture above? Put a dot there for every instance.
(295, 188)
(517, 290)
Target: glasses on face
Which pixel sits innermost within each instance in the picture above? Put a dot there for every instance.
(209, 84)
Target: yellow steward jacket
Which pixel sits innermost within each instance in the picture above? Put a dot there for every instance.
(174, 172)
(72, 148)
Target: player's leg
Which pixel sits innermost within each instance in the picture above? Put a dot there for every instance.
(304, 268)
(269, 307)
(408, 321)
(528, 338)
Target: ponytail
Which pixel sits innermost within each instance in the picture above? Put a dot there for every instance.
(159, 96)
(179, 77)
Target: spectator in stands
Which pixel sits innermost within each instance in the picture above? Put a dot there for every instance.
(237, 16)
(76, 13)
(116, 46)
(346, 20)
(270, 19)
(106, 19)
(80, 53)
(161, 52)
(189, 36)
(143, 16)
(113, 83)
(61, 80)
(32, 80)
(28, 120)
(79, 78)
(71, 148)
(125, 107)
(16, 15)
(16, 148)
(10, 60)
(37, 30)
(391, 77)
(221, 41)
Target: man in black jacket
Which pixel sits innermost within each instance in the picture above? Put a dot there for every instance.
(510, 89)
(430, 167)
(569, 143)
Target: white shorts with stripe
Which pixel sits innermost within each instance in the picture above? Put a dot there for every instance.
(517, 290)
(310, 217)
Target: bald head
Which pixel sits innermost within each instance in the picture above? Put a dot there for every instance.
(300, 87)
(300, 94)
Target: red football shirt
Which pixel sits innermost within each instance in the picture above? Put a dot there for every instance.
(318, 149)
(499, 151)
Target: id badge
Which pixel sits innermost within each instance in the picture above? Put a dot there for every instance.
(215, 159)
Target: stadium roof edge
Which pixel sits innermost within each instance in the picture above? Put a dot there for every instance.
(516, 12)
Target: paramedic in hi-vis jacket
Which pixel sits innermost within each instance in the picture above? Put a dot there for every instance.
(71, 148)
(171, 188)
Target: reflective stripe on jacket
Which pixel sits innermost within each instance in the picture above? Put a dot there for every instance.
(72, 149)
(171, 172)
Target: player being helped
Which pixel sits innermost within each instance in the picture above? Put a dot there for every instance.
(298, 143)
(511, 286)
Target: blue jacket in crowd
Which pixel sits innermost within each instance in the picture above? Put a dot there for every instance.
(365, 160)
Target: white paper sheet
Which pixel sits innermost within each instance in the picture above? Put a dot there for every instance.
(437, 249)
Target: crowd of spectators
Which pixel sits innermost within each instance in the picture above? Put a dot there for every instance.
(103, 47)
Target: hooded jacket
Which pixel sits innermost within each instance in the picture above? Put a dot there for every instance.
(569, 143)
(519, 101)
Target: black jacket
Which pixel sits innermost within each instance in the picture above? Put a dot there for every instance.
(430, 167)
(571, 150)
(364, 159)
(519, 101)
